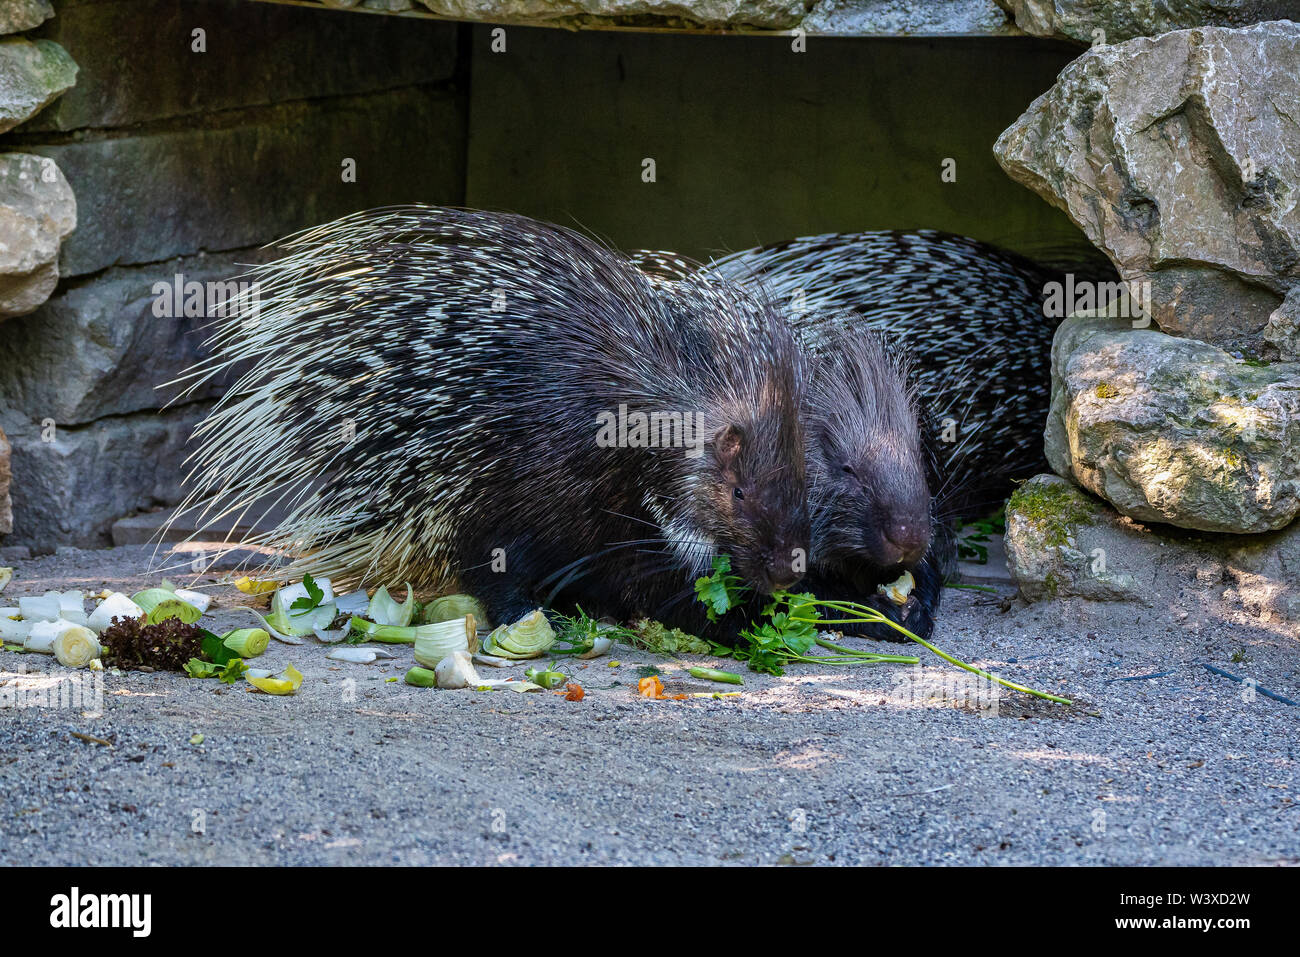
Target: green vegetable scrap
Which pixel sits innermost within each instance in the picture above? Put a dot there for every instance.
(315, 596)
(422, 678)
(547, 679)
(159, 604)
(713, 674)
(721, 591)
(791, 630)
(660, 640)
(529, 637)
(583, 636)
(247, 642)
(228, 673)
(450, 607)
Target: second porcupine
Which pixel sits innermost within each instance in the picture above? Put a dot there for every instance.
(871, 473)
(970, 318)
(475, 356)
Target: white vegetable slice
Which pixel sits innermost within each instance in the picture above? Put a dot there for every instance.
(504, 684)
(457, 671)
(11, 630)
(353, 603)
(196, 598)
(328, 636)
(357, 656)
(271, 629)
(44, 608)
(116, 605)
(598, 647)
(360, 656)
(898, 591)
(299, 623)
(43, 634)
(76, 647)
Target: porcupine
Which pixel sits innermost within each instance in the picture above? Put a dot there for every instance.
(970, 315)
(475, 354)
(870, 471)
(909, 326)
(871, 475)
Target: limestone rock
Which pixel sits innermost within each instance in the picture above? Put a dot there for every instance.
(1283, 329)
(37, 210)
(1174, 430)
(858, 18)
(1053, 535)
(1125, 19)
(32, 74)
(1064, 544)
(19, 15)
(1179, 157)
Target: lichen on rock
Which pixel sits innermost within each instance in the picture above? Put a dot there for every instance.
(33, 73)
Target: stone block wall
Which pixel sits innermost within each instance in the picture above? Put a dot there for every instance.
(184, 157)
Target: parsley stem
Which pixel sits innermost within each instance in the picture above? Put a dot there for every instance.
(871, 616)
(896, 659)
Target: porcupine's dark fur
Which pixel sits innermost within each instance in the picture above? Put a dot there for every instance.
(474, 353)
(970, 318)
(871, 473)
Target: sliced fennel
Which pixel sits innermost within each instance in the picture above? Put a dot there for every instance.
(440, 639)
(450, 607)
(530, 637)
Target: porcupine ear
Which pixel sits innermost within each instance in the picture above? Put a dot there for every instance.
(727, 443)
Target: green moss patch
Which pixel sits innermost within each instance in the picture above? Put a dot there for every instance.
(1053, 509)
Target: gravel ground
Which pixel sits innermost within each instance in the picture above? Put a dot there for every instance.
(886, 765)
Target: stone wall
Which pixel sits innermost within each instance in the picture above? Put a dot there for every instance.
(856, 18)
(195, 133)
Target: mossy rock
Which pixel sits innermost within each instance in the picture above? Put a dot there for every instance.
(1054, 508)
(32, 74)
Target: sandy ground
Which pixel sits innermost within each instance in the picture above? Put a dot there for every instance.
(883, 765)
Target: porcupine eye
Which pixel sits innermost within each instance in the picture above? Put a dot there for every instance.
(738, 493)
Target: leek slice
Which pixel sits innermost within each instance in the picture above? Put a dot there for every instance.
(444, 638)
(529, 637)
(384, 610)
